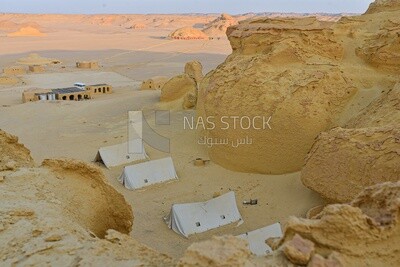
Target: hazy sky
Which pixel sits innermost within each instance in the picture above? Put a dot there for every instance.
(181, 6)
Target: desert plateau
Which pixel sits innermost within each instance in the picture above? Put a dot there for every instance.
(200, 139)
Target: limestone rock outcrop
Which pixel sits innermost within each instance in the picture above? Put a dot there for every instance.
(181, 91)
(195, 70)
(384, 111)
(381, 49)
(383, 6)
(27, 32)
(284, 69)
(177, 87)
(36, 59)
(218, 27)
(301, 72)
(63, 214)
(365, 232)
(343, 162)
(188, 33)
(13, 155)
(8, 80)
(137, 26)
(220, 251)
(105, 208)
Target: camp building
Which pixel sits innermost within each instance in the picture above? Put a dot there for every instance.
(75, 93)
(71, 93)
(97, 89)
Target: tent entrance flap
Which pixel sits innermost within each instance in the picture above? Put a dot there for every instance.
(258, 237)
(193, 218)
(148, 173)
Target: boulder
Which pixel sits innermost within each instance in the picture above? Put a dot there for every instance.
(219, 251)
(287, 69)
(177, 87)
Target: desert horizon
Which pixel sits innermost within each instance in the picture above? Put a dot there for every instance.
(200, 139)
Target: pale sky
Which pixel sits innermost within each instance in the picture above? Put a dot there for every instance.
(181, 6)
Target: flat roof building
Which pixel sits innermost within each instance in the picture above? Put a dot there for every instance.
(97, 89)
(71, 93)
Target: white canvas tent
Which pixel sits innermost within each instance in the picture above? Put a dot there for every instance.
(119, 154)
(192, 218)
(148, 173)
(257, 238)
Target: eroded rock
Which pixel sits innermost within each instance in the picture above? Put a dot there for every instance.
(299, 250)
(177, 88)
(365, 232)
(13, 155)
(219, 251)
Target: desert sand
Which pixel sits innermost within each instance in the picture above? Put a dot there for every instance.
(313, 74)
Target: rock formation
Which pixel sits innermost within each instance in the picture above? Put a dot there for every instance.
(137, 26)
(188, 33)
(220, 251)
(182, 89)
(344, 161)
(365, 232)
(10, 26)
(36, 59)
(302, 73)
(106, 208)
(13, 155)
(384, 111)
(8, 80)
(195, 70)
(383, 6)
(218, 27)
(177, 87)
(285, 69)
(62, 213)
(27, 32)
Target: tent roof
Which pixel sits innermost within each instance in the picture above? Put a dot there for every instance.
(148, 173)
(258, 237)
(119, 154)
(192, 218)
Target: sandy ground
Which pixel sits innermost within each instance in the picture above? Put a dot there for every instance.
(79, 129)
